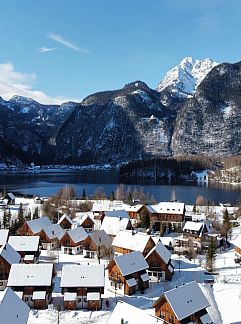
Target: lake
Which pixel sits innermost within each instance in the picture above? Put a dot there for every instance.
(49, 184)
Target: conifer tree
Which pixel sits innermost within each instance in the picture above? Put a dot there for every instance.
(211, 255)
(35, 214)
(21, 219)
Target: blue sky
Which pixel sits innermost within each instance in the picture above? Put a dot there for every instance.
(56, 50)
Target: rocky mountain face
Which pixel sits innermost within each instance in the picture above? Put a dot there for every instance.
(195, 110)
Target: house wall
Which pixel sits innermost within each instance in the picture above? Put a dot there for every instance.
(4, 273)
(238, 250)
(70, 305)
(65, 224)
(39, 304)
(88, 225)
(94, 304)
(164, 311)
(25, 230)
(156, 264)
(68, 246)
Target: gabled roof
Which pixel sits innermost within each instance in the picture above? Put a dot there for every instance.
(13, 310)
(3, 236)
(132, 241)
(131, 315)
(193, 226)
(10, 195)
(37, 224)
(134, 208)
(54, 231)
(24, 243)
(168, 208)
(186, 300)
(77, 234)
(102, 205)
(162, 251)
(100, 237)
(65, 216)
(112, 225)
(117, 213)
(9, 254)
(30, 275)
(82, 275)
(131, 262)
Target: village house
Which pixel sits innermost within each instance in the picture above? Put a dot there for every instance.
(65, 222)
(50, 236)
(33, 282)
(160, 264)
(3, 236)
(128, 241)
(72, 241)
(33, 227)
(8, 256)
(97, 245)
(9, 198)
(128, 273)
(86, 221)
(12, 309)
(237, 245)
(134, 211)
(184, 304)
(27, 246)
(82, 286)
(99, 207)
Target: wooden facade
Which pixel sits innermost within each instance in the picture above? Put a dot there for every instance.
(81, 298)
(65, 223)
(4, 272)
(122, 250)
(238, 250)
(88, 224)
(26, 230)
(158, 268)
(68, 246)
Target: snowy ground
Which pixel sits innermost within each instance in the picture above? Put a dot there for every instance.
(224, 295)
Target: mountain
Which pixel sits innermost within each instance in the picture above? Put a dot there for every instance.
(183, 80)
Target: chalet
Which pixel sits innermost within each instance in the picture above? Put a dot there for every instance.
(116, 221)
(82, 286)
(159, 261)
(50, 236)
(3, 236)
(184, 304)
(195, 229)
(97, 245)
(126, 313)
(65, 222)
(128, 273)
(129, 241)
(8, 256)
(134, 211)
(34, 282)
(10, 198)
(168, 215)
(27, 246)
(99, 207)
(12, 309)
(86, 221)
(237, 244)
(72, 241)
(33, 227)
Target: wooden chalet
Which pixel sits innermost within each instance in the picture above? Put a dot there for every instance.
(97, 245)
(86, 221)
(50, 236)
(65, 222)
(34, 226)
(4, 233)
(128, 273)
(184, 304)
(27, 246)
(134, 211)
(129, 241)
(82, 286)
(8, 256)
(33, 282)
(159, 261)
(10, 198)
(72, 242)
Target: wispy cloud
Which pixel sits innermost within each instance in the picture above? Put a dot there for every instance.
(47, 49)
(13, 83)
(69, 44)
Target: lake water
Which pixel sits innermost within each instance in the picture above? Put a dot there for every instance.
(49, 184)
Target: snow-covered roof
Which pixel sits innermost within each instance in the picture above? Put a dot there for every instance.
(193, 226)
(100, 237)
(131, 262)
(11, 195)
(237, 241)
(83, 217)
(162, 251)
(70, 296)
(65, 216)
(77, 234)
(169, 208)
(30, 275)
(121, 213)
(37, 224)
(24, 243)
(93, 296)
(102, 205)
(131, 315)
(54, 231)
(8, 253)
(29, 257)
(131, 282)
(130, 240)
(145, 277)
(13, 310)
(82, 275)
(186, 300)
(39, 295)
(3, 236)
(112, 225)
(133, 208)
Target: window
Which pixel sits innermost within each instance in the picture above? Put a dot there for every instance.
(25, 298)
(84, 300)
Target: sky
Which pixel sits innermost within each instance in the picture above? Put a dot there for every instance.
(60, 50)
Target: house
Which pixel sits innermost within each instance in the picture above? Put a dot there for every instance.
(159, 261)
(128, 273)
(82, 286)
(99, 207)
(129, 241)
(65, 222)
(27, 246)
(8, 256)
(33, 227)
(50, 236)
(86, 221)
(184, 304)
(34, 282)
(134, 211)
(12, 309)
(237, 245)
(115, 221)
(195, 229)
(97, 245)
(3, 236)
(10, 198)
(72, 241)
(126, 313)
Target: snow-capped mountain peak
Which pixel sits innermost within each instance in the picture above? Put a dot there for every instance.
(184, 78)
